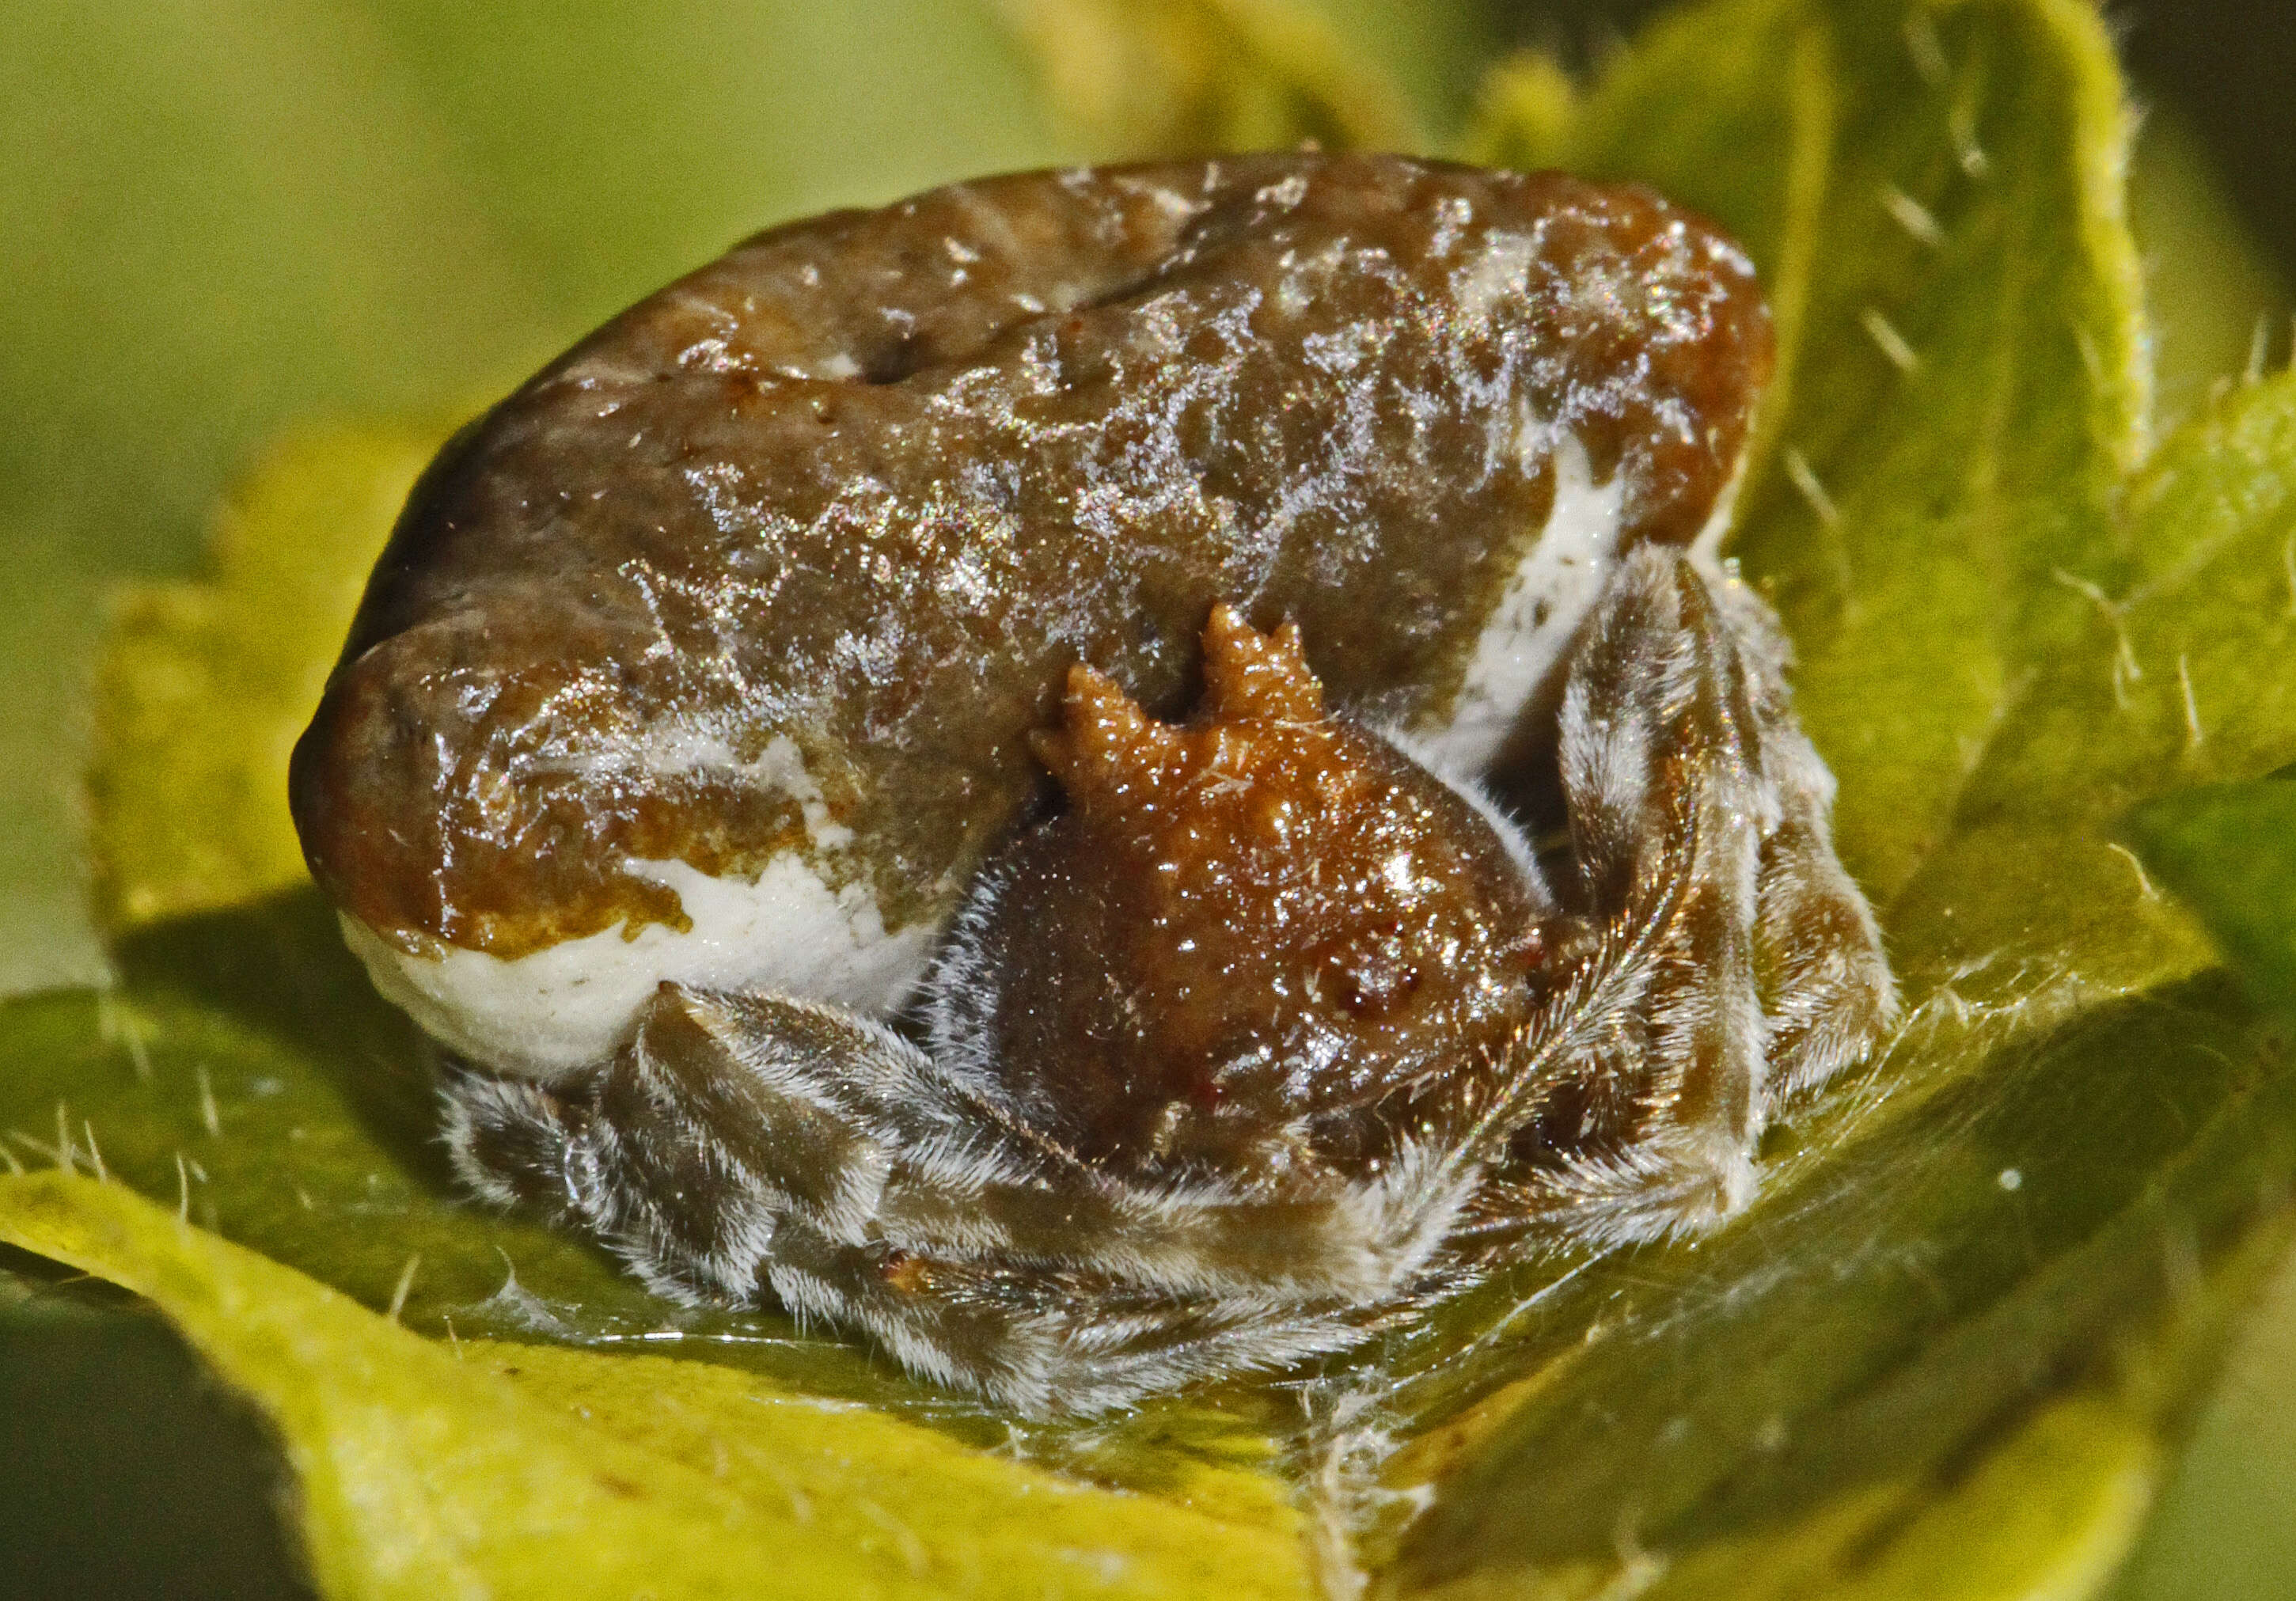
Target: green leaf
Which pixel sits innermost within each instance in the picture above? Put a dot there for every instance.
(2025, 1219)
(2229, 850)
(1183, 77)
(1972, 387)
(2178, 677)
(493, 1469)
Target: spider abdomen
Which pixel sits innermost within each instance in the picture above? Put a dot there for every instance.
(712, 654)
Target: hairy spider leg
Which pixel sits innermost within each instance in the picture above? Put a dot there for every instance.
(696, 1227)
(744, 1145)
(1654, 721)
(722, 1112)
(1679, 757)
(684, 1168)
(1826, 987)
(1058, 1340)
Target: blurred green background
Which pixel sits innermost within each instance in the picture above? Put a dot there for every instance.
(222, 220)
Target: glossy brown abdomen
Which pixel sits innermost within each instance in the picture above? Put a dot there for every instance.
(791, 558)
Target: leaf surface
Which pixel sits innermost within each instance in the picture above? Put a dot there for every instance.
(1178, 78)
(488, 1469)
(2228, 850)
(1944, 1351)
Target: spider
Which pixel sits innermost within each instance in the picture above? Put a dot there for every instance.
(1274, 1028)
(702, 701)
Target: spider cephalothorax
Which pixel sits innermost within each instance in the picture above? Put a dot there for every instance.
(1248, 941)
(697, 721)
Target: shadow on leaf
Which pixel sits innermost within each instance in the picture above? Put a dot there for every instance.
(278, 965)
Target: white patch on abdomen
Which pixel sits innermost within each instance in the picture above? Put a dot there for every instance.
(1521, 646)
(787, 932)
(567, 1006)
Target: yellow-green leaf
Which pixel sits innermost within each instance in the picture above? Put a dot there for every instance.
(1971, 385)
(1186, 77)
(2178, 675)
(480, 1468)
(205, 686)
(2230, 849)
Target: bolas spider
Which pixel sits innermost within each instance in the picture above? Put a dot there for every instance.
(695, 723)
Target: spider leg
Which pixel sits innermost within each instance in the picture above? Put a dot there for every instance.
(873, 1142)
(1680, 759)
(1826, 983)
(742, 1145)
(1654, 727)
(684, 1160)
(1044, 1342)
(1180, 1237)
